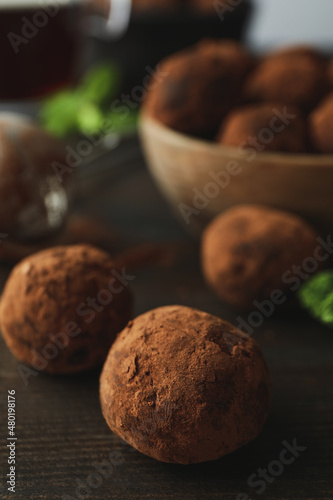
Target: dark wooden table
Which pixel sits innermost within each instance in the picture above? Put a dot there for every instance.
(61, 434)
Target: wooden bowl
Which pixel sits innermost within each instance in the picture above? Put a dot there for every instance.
(202, 179)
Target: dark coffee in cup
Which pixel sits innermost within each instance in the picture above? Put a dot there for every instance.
(39, 47)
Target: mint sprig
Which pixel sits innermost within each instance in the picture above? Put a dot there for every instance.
(84, 109)
(316, 295)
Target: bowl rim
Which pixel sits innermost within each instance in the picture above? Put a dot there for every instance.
(204, 145)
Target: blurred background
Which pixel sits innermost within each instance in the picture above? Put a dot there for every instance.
(75, 65)
(280, 22)
(140, 35)
(137, 38)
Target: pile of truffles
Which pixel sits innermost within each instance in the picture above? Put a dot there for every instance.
(62, 308)
(217, 90)
(201, 84)
(252, 252)
(183, 386)
(247, 127)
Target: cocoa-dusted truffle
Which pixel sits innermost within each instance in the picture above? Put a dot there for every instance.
(183, 386)
(297, 51)
(62, 308)
(321, 126)
(33, 202)
(265, 127)
(298, 78)
(330, 73)
(196, 87)
(250, 251)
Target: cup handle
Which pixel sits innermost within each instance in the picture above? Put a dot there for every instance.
(116, 12)
(119, 17)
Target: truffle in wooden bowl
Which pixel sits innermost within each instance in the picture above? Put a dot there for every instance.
(199, 85)
(259, 127)
(295, 76)
(183, 386)
(321, 125)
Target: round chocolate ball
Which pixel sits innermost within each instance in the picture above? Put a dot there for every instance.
(265, 127)
(62, 308)
(321, 126)
(193, 89)
(252, 252)
(297, 51)
(33, 195)
(330, 73)
(298, 78)
(183, 386)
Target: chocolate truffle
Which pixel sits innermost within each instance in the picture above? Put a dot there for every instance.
(330, 73)
(298, 78)
(62, 308)
(321, 126)
(193, 89)
(183, 386)
(33, 202)
(297, 51)
(250, 251)
(265, 127)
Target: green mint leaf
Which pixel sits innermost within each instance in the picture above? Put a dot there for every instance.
(89, 118)
(123, 124)
(59, 113)
(81, 109)
(316, 295)
(100, 83)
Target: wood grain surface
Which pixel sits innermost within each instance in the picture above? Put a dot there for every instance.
(62, 437)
